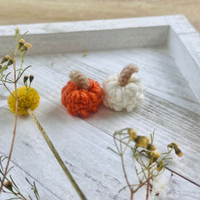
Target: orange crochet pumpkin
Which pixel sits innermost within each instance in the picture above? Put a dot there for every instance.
(81, 95)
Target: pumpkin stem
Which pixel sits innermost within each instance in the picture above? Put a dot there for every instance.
(57, 156)
(126, 74)
(80, 80)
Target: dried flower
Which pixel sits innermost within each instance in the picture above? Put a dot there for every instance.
(25, 79)
(178, 152)
(155, 155)
(160, 165)
(10, 62)
(8, 185)
(132, 134)
(27, 99)
(17, 32)
(31, 78)
(151, 147)
(26, 47)
(142, 141)
(5, 59)
(173, 145)
(21, 43)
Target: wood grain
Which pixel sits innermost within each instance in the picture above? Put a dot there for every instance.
(39, 11)
(170, 119)
(170, 106)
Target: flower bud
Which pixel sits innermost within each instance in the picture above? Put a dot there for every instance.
(8, 185)
(5, 59)
(21, 43)
(151, 147)
(160, 165)
(155, 155)
(17, 32)
(31, 77)
(10, 62)
(142, 141)
(132, 134)
(178, 152)
(25, 79)
(26, 47)
(173, 145)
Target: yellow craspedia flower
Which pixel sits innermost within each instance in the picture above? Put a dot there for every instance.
(27, 98)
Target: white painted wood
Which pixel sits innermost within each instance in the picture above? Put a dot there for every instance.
(159, 73)
(180, 24)
(18, 176)
(170, 105)
(171, 121)
(87, 36)
(182, 47)
(83, 148)
(65, 27)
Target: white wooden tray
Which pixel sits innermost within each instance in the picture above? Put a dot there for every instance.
(166, 50)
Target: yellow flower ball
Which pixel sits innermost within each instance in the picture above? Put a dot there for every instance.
(27, 98)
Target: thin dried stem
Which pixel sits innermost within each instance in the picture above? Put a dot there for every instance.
(54, 151)
(125, 175)
(16, 115)
(147, 194)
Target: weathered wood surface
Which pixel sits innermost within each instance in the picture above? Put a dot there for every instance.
(82, 144)
(170, 106)
(84, 150)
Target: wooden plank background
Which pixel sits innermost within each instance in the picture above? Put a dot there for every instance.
(39, 11)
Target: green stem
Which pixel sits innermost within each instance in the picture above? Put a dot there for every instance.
(20, 69)
(54, 151)
(8, 90)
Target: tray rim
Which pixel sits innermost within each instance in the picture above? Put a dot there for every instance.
(175, 31)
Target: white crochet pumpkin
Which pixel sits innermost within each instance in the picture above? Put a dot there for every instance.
(123, 90)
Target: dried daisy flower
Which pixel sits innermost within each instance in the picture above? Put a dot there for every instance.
(176, 149)
(132, 134)
(160, 165)
(155, 155)
(173, 144)
(26, 47)
(178, 152)
(151, 147)
(142, 141)
(150, 169)
(21, 43)
(5, 59)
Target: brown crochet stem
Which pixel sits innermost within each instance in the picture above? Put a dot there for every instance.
(80, 80)
(126, 74)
